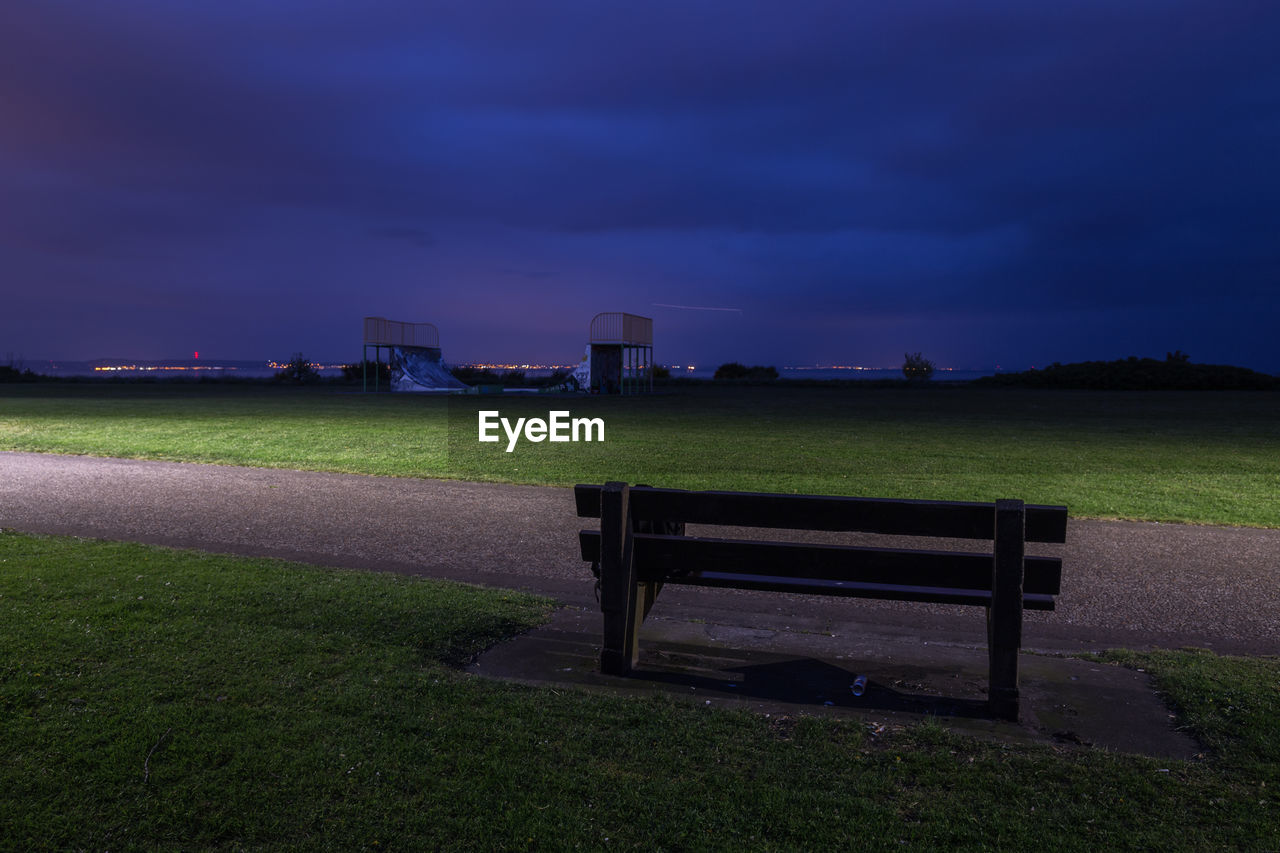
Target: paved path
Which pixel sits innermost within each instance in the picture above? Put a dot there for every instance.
(1133, 584)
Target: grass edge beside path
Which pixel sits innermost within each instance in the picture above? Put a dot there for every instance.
(157, 697)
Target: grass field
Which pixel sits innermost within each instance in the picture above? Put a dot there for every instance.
(1204, 457)
(157, 699)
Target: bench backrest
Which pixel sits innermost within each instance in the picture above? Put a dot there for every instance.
(890, 516)
(925, 575)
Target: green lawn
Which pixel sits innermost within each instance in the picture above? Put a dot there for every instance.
(1204, 457)
(158, 699)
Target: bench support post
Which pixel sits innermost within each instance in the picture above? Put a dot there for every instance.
(1004, 622)
(620, 601)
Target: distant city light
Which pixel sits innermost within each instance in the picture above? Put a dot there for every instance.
(483, 365)
(150, 367)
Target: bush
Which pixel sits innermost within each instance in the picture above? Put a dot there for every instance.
(298, 371)
(756, 373)
(916, 367)
(9, 373)
(1175, 373)
(13, 372)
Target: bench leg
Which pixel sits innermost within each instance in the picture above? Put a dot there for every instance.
(648, 596)
(621, 600)
(1004, 625)
(622, 635)
(649, 589)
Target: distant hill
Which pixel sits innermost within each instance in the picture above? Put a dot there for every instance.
(1175, 373)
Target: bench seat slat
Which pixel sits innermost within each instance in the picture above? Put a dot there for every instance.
(850, 589)
(948, 519)
(667, 558)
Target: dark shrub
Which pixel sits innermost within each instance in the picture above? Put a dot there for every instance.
(1175, 373)
(756, 373)
(9, 373)
(298, 371)
(916, 367)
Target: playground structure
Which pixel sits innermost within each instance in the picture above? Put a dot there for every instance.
(414, 355)
(618, 359)
(619, 354)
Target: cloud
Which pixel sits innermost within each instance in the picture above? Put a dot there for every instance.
(912, 156)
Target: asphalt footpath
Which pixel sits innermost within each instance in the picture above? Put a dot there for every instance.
(1125, 584)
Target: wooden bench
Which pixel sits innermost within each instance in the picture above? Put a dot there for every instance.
(641, 545)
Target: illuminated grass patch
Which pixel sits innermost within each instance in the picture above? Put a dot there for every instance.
(1205, 457)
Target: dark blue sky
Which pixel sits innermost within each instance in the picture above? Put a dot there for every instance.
(988, 182)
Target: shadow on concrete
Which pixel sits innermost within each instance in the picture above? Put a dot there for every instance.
(768, 670)
(789, 680)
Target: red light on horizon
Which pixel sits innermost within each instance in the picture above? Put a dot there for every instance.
(197, 355)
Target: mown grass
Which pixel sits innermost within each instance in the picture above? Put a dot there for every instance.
(1230, 704)
(162, 699)
(1202, 457)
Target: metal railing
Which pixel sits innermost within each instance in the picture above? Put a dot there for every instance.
(380, 331)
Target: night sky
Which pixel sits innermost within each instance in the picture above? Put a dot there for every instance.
(991, 183)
